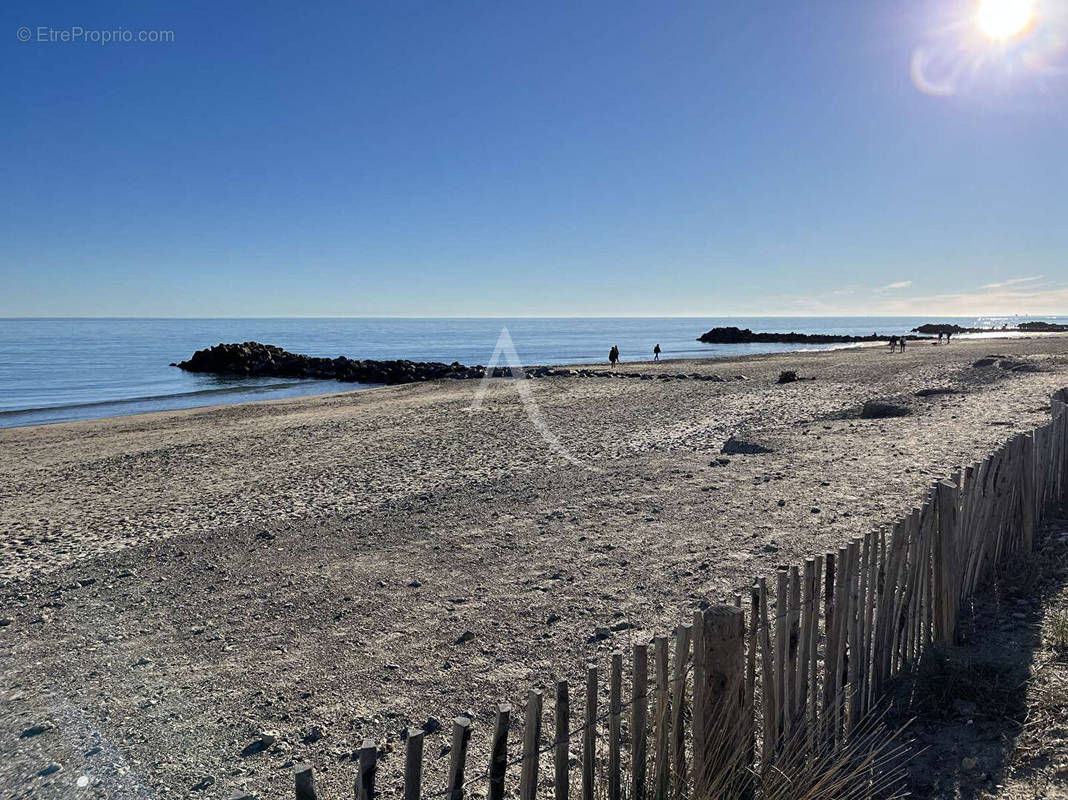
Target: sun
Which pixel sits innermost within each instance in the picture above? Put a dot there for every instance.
(1003, 19)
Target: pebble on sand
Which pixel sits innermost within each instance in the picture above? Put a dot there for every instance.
(203, 783)
(313, 734)
(432, 725)
(600, 634)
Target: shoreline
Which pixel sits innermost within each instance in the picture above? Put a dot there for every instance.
(249, 429)
(326, 392)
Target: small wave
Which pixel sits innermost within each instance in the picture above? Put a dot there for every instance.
(175, 396)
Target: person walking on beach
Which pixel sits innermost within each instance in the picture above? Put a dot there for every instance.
(902, 343)
(893, 344)
(656, 352)
(613, 355)
(940, 337)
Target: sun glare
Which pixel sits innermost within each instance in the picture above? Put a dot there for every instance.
(1003, 19)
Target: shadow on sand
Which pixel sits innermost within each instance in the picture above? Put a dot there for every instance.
(970, 701)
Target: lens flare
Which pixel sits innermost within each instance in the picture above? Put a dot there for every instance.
(1004, 19)
(1000, 51)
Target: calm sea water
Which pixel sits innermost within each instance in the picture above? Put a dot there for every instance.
(54, 370)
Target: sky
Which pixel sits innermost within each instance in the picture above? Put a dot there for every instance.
(531, 159)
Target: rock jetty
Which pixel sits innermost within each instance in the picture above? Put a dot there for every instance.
(255, 360)
(732, 335)
(252, 359)
(1025, 327)
(1043, 327)
(932, 327)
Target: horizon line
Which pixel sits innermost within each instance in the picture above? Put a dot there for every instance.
(525, 316)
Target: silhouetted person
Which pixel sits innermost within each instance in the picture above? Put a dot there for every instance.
(613, 355)
(902, 343)
(949, 335)
(656, 352)
(893, 344)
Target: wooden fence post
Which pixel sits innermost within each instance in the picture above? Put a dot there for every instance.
(722, 741)
(841, 631)
(461, 734)
(663, 719)
(929, 559)
(813, 654)
(413, 764)
(528, 776)
(678, 703)
(887, 611)
(852, 630)
(808, 608)
(793, 643)
(1029, 492)
(589, 736)
(697, 722)
(830, 656)
(782, 627)
(916, 581)
(498, 753)
(751, 671)
(767, 681)
(869, 592)
(304, 782)
(639, 722)
(365, 782)
(615, 722)
(561, 754)
(945, 585)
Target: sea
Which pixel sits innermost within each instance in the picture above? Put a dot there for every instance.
(59, 370)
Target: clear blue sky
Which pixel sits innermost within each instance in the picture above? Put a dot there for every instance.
(490, 158)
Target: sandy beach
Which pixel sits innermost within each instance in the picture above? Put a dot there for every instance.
(173, 583)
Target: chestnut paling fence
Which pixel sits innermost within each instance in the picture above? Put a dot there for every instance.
(743, 696)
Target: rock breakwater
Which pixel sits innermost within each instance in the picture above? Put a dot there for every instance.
(255, 360)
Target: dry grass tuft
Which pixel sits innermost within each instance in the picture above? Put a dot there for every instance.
(1057, 631)
(869, 763)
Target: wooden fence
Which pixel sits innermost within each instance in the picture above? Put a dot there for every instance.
(744, 691)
